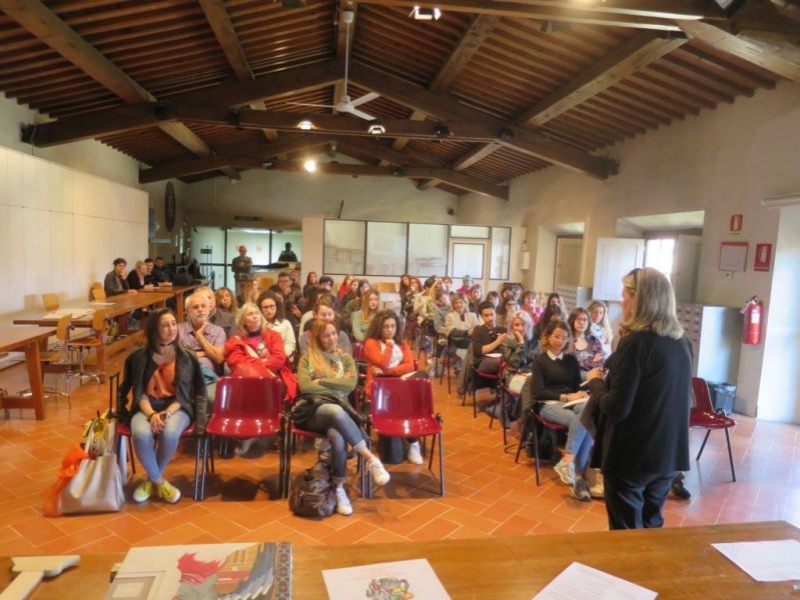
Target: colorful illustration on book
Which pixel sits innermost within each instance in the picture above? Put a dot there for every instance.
(389, 588)
(206, 572)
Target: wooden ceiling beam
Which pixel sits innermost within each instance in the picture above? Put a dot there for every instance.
(447, 108)
(457, 179)
(129, 118)
(222, 26)
(470, 158)
(460, 180)
(786, 63)
(46, 26)
(641, 50)
(254, 159)
(639, 14)
(470, 43)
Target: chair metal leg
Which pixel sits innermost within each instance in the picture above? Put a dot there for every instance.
(199, 468)
(705, 439)
(730, 454)
(441, 463)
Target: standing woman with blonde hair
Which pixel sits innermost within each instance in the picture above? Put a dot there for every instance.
(644, 403)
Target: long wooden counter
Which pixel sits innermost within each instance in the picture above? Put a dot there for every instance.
(675, 563)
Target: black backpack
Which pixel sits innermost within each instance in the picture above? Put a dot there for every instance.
(313, 494)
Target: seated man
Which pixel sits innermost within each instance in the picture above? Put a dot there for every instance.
(486, 339)
(288, 254)
(221, 318)
(160, 272)
(115, 281)
(323, 310)
(204, 338)
(291, 297)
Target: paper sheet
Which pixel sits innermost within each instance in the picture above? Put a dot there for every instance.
(579, 582)
(381, 580)
(765, 561)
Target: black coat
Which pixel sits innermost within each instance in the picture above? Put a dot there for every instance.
(644, 406)
(190, 389)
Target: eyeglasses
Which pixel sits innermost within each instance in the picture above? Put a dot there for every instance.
(265, 306)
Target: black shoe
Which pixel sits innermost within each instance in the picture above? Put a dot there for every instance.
(679, 490)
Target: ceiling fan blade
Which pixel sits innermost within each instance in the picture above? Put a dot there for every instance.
(358, 113)
(314, 105)
(365, 98)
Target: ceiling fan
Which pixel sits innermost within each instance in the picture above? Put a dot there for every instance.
(345, 104)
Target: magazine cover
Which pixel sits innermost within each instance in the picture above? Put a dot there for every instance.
(205, 572)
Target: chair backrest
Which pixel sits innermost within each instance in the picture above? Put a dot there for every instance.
(702, 397)
(401, 398)
(98, 293)
(99, 322)
(248, 397)
(50, 301)
(358, 350)
(62, 327)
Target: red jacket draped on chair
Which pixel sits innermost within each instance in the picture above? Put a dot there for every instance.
(243, 360)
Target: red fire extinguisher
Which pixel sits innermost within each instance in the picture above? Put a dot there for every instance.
(751, 332)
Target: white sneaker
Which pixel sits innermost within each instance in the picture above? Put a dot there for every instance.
(245, 446)
(566, 471)
(414, 453)
(379, 475)
(343, 506)
(598, 490)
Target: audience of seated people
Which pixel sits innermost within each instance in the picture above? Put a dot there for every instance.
(259, 338)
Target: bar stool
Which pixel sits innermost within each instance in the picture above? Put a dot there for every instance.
(98, 327)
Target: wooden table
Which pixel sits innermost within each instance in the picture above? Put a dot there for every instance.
(28, 338)
(115, 306)
(675, 563)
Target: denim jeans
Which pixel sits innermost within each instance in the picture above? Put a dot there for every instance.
(636, 503)
(332, 421)
(579, 442)
(155, 452)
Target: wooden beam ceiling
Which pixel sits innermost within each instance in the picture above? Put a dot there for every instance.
(45, 25)
(447, 108)
(786, 63)
(639, 14)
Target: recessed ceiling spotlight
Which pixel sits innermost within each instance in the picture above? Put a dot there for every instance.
(305, 125)
(425, 14)
(376, 128)
(310, 165)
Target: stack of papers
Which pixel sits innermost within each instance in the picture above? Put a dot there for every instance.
(402, 579)
(765, 561)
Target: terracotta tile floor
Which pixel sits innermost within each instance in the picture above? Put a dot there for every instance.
(487, 494)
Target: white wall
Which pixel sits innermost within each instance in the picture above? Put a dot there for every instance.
(722, 162)
(60, 229)
(282, 199)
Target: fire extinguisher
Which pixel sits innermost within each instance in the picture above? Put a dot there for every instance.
(751, 332)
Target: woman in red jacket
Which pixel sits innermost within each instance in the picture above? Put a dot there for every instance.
(388, 355)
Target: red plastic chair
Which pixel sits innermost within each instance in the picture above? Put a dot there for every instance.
(247, 407)
(703, 416)
(404, 408)
(483, 379)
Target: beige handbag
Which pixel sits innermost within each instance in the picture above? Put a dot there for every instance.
(97, 486)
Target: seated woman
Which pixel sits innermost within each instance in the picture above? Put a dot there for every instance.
(349, 283)
(474, 297)
(518, 350)
(458, 326)
(510, 310)
(600, 327)
(388, 355)
(326, 369)
(311, 281)
(168, 395)
(555, 385)
(529, 306)
(257, 351)
(271, 305)
(585, 347)
(552, 312)
(362, 318)
(138, 278)
(115, 281)
(226, 301)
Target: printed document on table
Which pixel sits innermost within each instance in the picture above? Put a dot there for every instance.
(579, 582)
(765, 561)
(398, 579)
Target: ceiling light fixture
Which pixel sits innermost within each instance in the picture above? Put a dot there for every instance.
(376, 128)
(310, 165)
(441, 130)
(305, 125)
(425, 14)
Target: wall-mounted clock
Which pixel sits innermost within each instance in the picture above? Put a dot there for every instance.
(169, 206)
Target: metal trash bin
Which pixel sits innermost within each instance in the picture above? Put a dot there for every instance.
(722, 396)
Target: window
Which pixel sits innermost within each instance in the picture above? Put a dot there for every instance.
(386, 248)
(659, 253)
(500, 252)
(344, 247)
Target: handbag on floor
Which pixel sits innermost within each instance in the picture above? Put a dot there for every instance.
(313, 493)
(96, 486)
